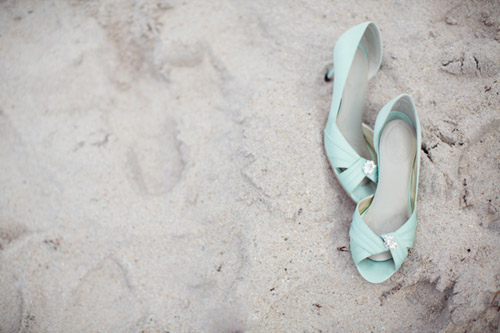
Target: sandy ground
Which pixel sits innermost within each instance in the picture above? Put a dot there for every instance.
(162, 167)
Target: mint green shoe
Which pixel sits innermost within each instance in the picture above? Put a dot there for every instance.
(348, 142)
(383, 226)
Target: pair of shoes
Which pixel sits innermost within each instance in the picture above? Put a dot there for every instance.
(378, 168)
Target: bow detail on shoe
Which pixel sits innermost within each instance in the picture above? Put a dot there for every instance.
(365, 243)
(351, 167)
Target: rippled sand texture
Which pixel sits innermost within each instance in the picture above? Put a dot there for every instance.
(162, 167)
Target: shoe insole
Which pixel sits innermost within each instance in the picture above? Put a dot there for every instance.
(351, 107)
(389, 208)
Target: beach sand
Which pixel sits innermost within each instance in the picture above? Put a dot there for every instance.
(162, 167)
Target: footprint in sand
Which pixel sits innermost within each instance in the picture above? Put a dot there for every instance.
(157, 166)
(104, 300)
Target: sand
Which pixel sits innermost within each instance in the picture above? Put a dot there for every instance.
(162, 167)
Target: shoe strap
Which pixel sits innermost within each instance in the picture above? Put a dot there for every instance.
(350, 166)
(365, 243)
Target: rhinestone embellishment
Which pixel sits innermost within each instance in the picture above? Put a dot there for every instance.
(369, 167)
(390, 242)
